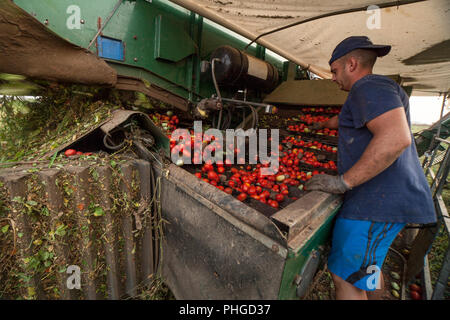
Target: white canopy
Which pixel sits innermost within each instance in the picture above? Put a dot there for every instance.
(419, 33)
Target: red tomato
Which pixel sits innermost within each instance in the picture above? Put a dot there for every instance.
(242, 197)
(265, 194)
(198, 175)
(415, 287)
(207, 167)
(279, 197)
(228, 190)
(273, 203)
(415, 295)
(220, 169)
(252, 191)
(212, 175)
(70, 152)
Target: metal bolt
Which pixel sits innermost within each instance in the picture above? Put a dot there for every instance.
(46, 22)
(82, 21)
(135, 59)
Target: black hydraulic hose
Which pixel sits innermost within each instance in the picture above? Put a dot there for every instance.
(217, 89)
(330, 14)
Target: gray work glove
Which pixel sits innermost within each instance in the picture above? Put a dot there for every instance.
(315, 126)
(327, 183)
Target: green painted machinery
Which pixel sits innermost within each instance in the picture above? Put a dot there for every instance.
(214, 247)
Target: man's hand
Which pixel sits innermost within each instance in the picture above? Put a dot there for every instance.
(327, 183)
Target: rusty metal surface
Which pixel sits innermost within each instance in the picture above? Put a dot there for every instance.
(213, 248)
(227, 202)
(28, 48)
(114, 249)
(299, 214)
(300, 92)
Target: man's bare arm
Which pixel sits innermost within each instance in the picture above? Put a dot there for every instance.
(391, 136)
(331, 123)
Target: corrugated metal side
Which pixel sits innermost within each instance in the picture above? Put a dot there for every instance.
(97, 217)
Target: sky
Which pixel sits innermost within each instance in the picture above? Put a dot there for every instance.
(426, 109)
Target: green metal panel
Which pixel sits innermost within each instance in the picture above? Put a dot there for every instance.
(182, 38)
(169, 32)
(296, 260)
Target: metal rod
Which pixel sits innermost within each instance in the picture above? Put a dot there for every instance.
(426, 279)
(443, 173)
(106, 22)
(330, 14)
(443, 140)
(213, 71)
(256, 104)
(438, 135)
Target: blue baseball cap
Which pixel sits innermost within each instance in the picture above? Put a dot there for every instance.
(358, 42)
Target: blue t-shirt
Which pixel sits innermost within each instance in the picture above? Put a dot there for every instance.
(400, 193)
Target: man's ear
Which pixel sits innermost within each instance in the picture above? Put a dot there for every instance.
(352, 64)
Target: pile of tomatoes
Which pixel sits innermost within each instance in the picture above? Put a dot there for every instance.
(415, 291)
(298, 142)
(332, 110)
(293, 157)
(248, 182)
(309, 119)
(167, 122)
(302, 127)
(327, 132)
(73, 152)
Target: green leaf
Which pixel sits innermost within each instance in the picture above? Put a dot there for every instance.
(61, 230)
(62, 270)
(18, 199)
(5, 228)
(53, 159)
(11, 77)
(98, 212)
(32, 203)
(45, 211)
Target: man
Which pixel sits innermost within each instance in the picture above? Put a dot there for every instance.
(379, 172)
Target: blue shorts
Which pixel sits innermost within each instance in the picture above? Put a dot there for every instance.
(358, 250)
